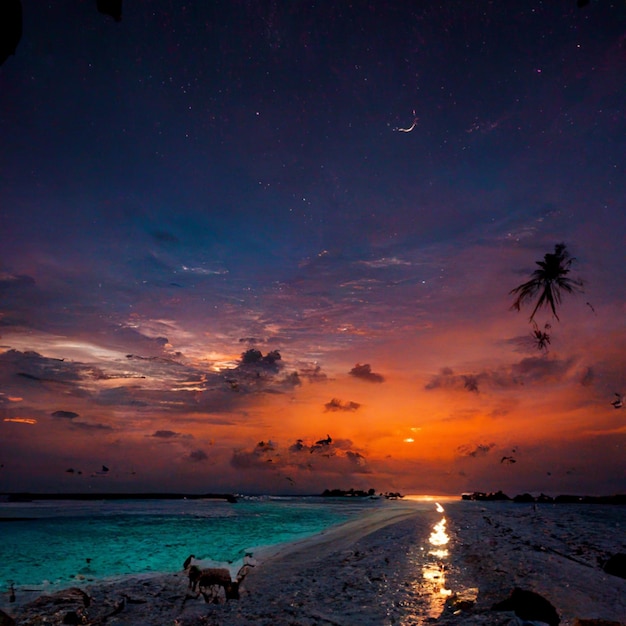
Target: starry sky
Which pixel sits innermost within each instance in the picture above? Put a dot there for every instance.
(268, 246)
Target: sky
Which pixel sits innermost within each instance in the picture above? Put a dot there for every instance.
(268, 246)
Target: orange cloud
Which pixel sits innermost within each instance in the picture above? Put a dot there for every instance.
(20, 420)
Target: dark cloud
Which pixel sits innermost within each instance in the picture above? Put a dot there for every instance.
(473, 451)
(323, 446)
(258, 373)
(126, 339)
(337, 405)
(470, 382)
(33, 366)
(313, 374)
(161, 382)
(356, 458)
(198, 456)
(169, 435)
(541, 368)
(327, 454)
(65, 414)
(252, 340)
(535, 369)
(263, 456)
(121, 396)
(298, 446)
(588, 377)
(364, 372)
(165, 434)
(343, 444)
(292, 380)
(447, 379)
(87, 426)
(256, 357)
(15, 281)
(537, 339)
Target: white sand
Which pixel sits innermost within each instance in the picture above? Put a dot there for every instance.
(380, 570)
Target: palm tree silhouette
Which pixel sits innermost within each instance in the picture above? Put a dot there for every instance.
(541, 337)
(549, 281)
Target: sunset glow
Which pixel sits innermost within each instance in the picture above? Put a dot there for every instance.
(224, 268)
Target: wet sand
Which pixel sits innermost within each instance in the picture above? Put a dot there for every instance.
(384, 568)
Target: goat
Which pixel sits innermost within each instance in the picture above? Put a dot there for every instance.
(211, 578)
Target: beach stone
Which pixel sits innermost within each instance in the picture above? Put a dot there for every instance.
(463, 600)
(72, 617)
(6, 620)
(616, 565)
(66, 604)
(529, 606)
(596, 622)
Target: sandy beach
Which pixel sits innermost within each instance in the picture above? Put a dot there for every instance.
(393, 565)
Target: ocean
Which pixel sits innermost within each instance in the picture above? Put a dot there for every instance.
(46, 544)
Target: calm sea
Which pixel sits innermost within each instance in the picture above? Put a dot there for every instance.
(52, 544)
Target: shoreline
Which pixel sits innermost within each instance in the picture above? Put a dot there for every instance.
(382, 568)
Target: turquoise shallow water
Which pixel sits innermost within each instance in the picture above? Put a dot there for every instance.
(64, 543)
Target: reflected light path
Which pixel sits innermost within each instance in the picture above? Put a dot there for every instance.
(434, 569)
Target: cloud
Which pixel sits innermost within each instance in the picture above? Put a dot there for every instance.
(447, 379)
(165, 434)
(541, 368)
(313, 374)
(70, 415)
(298, 446)
(292, 380)
(364, 372)
(385, 262)
(204, 271)
(252, 340)
(588, 377)
(356, 458)
(535, 369)
(33, 366)
(121, 396)
(337, 405)
(473, 451)
(470, 382)
(263, 456)
(21, 420)
(256, 357)
(198, 456)
(169, 435)
(87, 426)
(12, 281)
(324, 455)
(163, 384)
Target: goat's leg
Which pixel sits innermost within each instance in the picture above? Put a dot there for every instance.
(211, 595)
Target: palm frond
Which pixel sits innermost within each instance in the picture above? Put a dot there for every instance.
(549, 281)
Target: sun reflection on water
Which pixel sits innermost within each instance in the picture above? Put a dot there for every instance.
(434, 569)
(439, 536)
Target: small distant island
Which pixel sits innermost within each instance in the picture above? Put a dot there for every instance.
(359, 493)
(543, 498)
